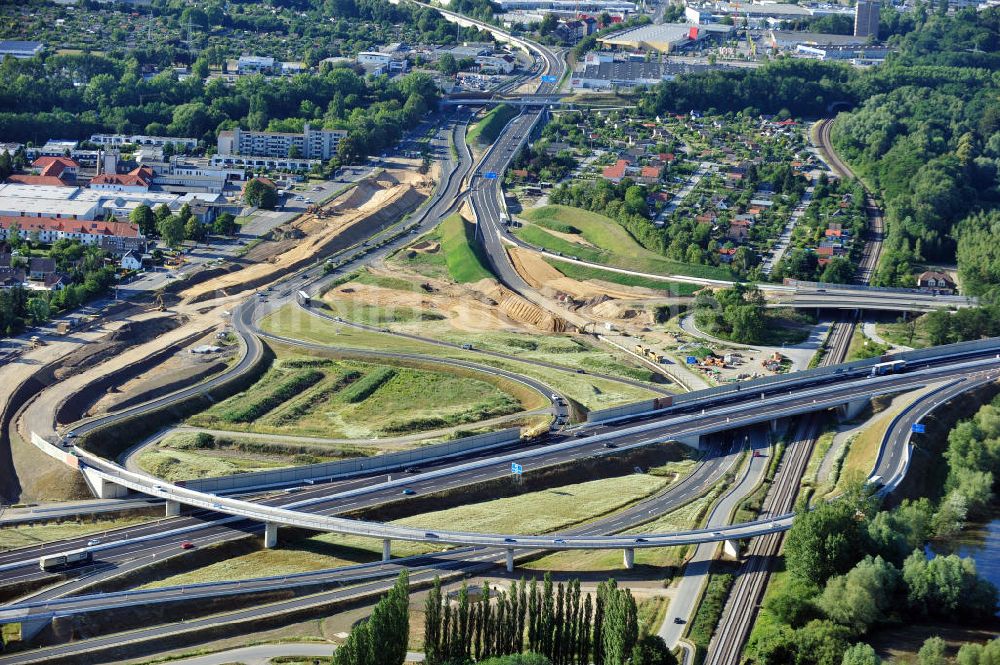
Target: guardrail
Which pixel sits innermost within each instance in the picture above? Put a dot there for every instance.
(354, 466)
(790, 381)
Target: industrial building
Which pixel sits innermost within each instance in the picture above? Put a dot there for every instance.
(114, 140)
(665, 37)
(866, 15)
(600, 72)
(310, 144)
(610, 6)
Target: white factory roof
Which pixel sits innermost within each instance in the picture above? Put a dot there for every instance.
(660, 36)
(35, 207)
(39, 192)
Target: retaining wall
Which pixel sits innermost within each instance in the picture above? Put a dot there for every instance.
(388, 462)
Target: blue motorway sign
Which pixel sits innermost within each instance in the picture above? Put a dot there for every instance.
(516, 468)
(490, 175)
(549, 79)
(918, 428)
(692, 360)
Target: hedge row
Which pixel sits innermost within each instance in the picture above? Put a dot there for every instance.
(284, 392)
(362, 389)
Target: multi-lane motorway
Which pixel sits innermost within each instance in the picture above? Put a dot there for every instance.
(223, 518)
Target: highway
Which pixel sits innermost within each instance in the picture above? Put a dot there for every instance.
(741, 608)
(749, 408)
(218, 518)
(717, 460)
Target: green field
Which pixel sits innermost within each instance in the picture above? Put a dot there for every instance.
(592, 392)
(354, 399)
(328, 550)
(430, 264)
(912, 333)
(464, 264)
(575, 271)
(544, 511)
(488, 129)
(27, 536)
(612, 244)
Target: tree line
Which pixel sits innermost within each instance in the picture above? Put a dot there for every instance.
(852, 567)
(382, 638)
(556, 621)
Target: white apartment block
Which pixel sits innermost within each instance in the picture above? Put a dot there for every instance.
(310, 144)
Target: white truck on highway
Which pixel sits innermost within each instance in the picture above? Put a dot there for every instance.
(61, 560)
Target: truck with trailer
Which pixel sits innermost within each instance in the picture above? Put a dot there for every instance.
(62, 560)
(889, 367)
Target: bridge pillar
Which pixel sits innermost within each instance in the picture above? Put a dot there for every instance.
(31, 627)
(629, 558)
(691, 441)
(173, 508)
(103, 489)
(852, 409)
(731, 548)
(270, 535)
(510, 559)
(386, 549)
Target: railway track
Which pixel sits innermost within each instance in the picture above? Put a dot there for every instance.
(745, 596)
(876, 221)
(743, 605)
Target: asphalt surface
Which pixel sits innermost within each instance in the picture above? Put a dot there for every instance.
(719, 460)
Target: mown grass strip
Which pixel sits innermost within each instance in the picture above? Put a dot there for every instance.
(575, 271)
(308, 402)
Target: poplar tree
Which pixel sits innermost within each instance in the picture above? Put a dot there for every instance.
(584, 633)
(432, 624)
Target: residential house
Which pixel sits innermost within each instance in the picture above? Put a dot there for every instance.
(936, 281)
(131, 261)
(40, 268)
(64, 168)
(138, 180)
(616, 172)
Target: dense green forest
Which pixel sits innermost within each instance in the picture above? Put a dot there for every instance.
(114, 96)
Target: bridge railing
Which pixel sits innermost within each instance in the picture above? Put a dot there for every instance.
(356, 465)
(707, 395)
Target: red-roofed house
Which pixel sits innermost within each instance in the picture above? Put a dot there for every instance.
(58, 167)
(137, 180)
(651, 172)
(88, 232)
(617, 172)
(37, 180)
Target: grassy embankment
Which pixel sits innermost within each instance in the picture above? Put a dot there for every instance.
(861, 347)
(352, 399)
(591, 392)
(912, 333)
(603, 241)
(534, 512)
(488, 129)
(459, 250)
(26, 536)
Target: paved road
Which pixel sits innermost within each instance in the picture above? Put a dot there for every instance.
(686, 598)
(263, 653)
